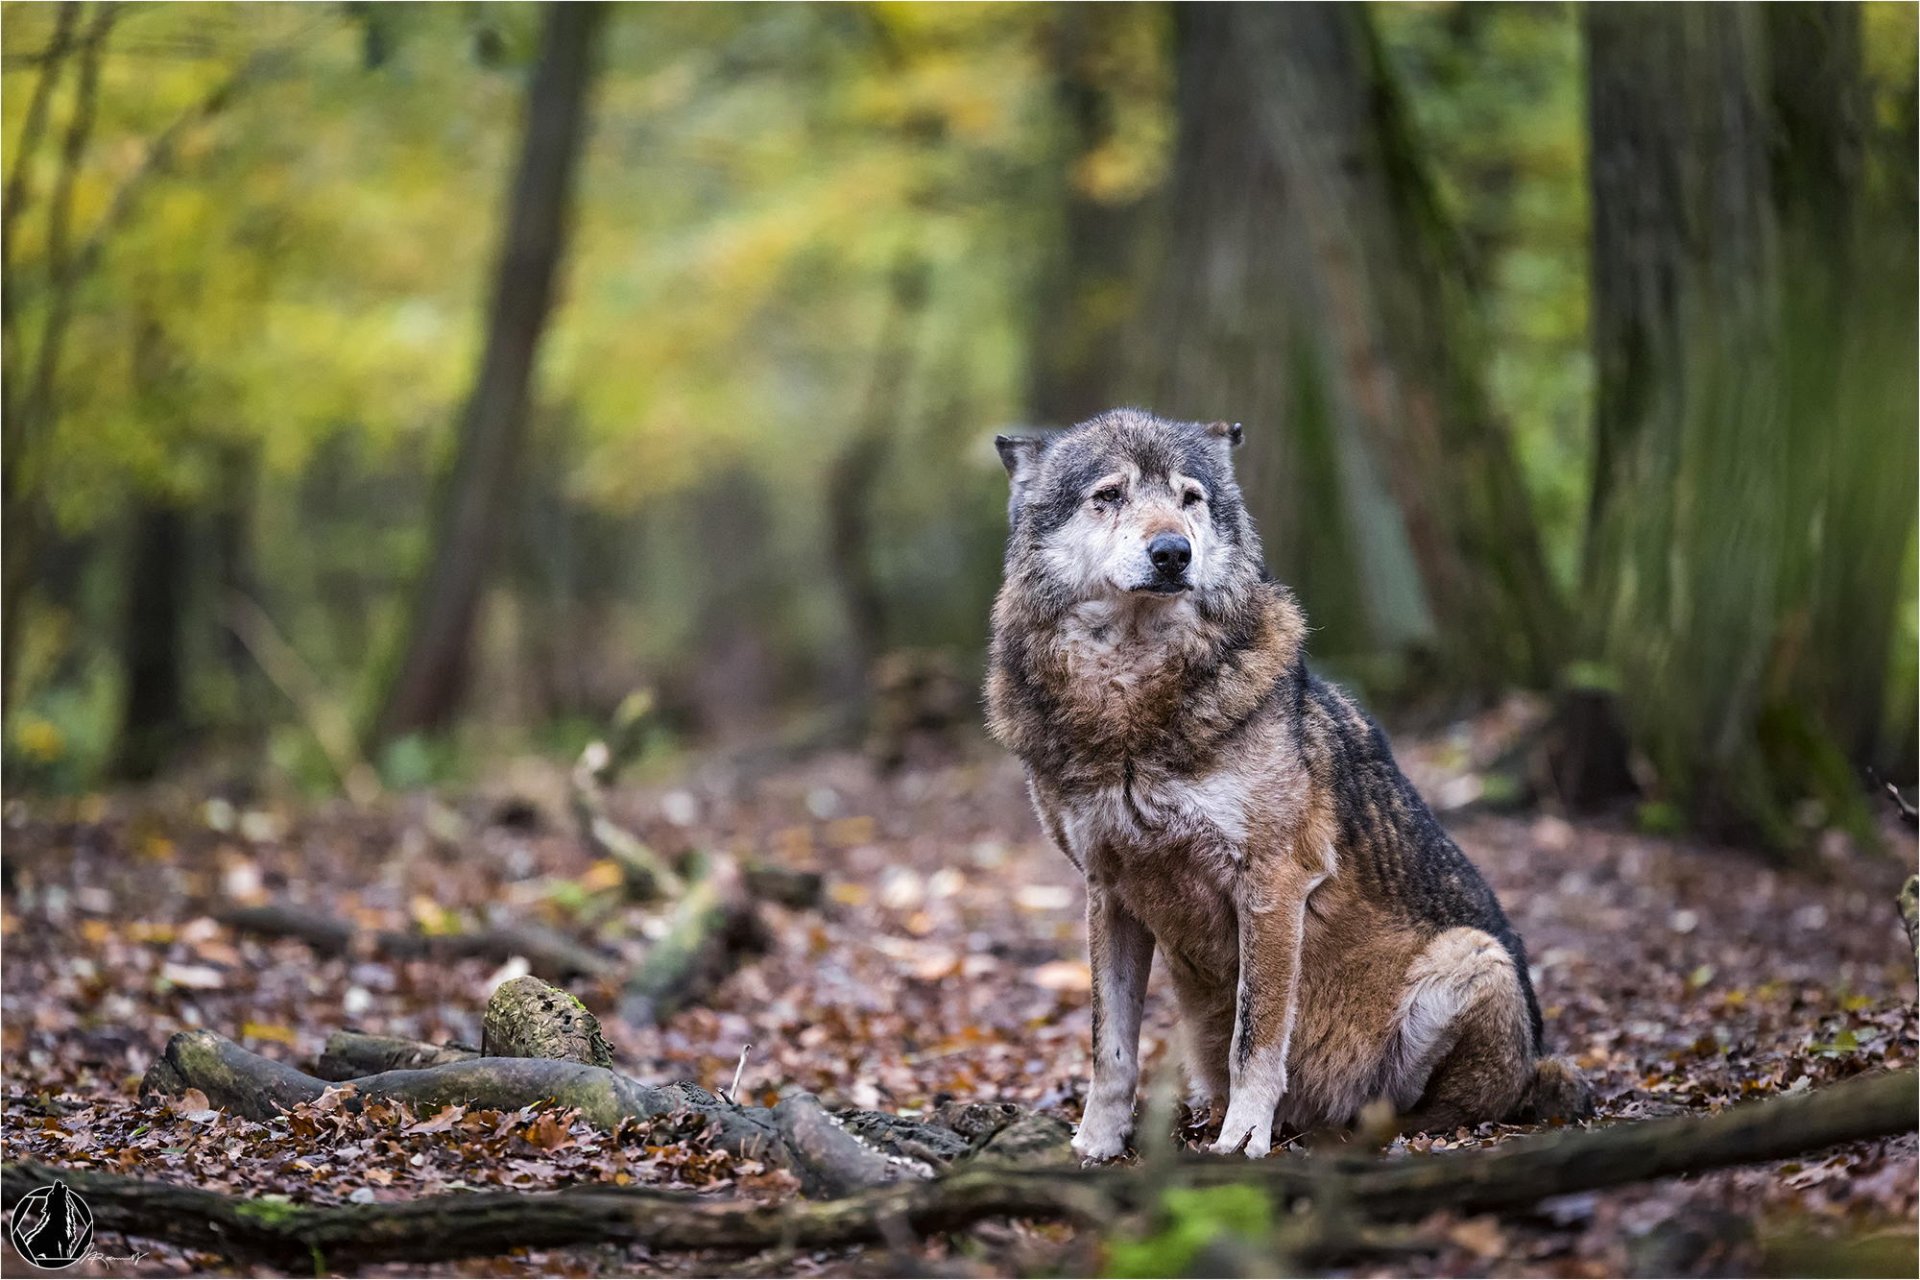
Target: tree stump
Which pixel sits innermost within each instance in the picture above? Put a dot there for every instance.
(526, 1018)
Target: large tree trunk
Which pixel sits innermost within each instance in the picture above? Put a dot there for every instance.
(1222, 337)
(1085, 291)
(1753, 486)
(1316, 291)
(431, 674)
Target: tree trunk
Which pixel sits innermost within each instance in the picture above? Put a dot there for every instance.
(1325, 289)
(1753, 489)
(431, 674)
(153, 706)
(1086, 289)
(856, 471)
(1222, 338)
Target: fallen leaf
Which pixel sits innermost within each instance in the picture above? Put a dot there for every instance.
(444, 1120)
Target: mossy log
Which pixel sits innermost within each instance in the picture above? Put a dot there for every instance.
(1517, 1174)
(796, 1134)
(350, 1054)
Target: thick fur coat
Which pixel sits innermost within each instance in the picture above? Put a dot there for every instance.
(1328, 944)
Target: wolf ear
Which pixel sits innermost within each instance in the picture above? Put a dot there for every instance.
(1021, 457)
(1228, 431)
(1017, 453)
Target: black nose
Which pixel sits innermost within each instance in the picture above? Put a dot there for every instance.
(1170, 554)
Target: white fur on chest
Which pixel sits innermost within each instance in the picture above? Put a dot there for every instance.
(1209, 815)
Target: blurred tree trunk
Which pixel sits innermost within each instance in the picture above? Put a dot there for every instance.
(856, 470)
(159, 565)
(1753, 492)
(1086, 289)
(153, 701)
(1225, 336)
(430, 676)
(1317, 291)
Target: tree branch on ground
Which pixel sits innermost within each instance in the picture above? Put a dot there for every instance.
(1515, 1175)
(647, 874)
(713, 925)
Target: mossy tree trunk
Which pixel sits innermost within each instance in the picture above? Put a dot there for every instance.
(1753, 492)
(1316, 290)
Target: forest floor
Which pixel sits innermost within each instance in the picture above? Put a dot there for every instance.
(946, 959)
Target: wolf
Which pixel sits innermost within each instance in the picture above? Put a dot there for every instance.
(1328, 944)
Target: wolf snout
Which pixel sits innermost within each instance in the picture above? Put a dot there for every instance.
(1171, 554)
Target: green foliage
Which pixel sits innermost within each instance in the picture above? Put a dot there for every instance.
(1190, 1219)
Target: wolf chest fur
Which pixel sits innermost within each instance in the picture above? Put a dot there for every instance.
(1327, 943)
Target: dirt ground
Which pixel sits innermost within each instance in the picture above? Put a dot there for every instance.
(948, 959)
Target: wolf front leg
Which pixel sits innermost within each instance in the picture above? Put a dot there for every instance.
(1266, 1000)
(1121, 954)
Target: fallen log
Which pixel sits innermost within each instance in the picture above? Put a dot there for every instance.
(328, 935)
(795, 1135)
(236, 1080)
(547, 952)
(352, 1053)
(1520, 1173)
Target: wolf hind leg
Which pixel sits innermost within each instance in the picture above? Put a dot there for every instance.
(1463, 1044)
(1557, 1092)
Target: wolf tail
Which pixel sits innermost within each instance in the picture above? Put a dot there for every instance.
(1557, 1092)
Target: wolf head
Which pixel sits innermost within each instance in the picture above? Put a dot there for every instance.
(1127, 508)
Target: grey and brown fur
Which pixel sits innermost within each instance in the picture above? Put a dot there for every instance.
(1328, 944)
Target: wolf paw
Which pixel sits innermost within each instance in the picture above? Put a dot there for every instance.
(1101, 1138)
(1255, 1132)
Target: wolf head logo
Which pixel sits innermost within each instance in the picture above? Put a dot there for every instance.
(1130, 510)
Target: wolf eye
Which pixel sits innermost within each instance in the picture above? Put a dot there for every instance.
(1193, 498)
(1110, 494)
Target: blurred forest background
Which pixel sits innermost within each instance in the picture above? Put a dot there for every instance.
(388, 387)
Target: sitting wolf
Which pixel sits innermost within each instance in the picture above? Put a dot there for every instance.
(1328, 944)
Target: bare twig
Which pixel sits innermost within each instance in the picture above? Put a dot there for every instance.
(738, 1071)
(1908, 814)
(712, 926)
